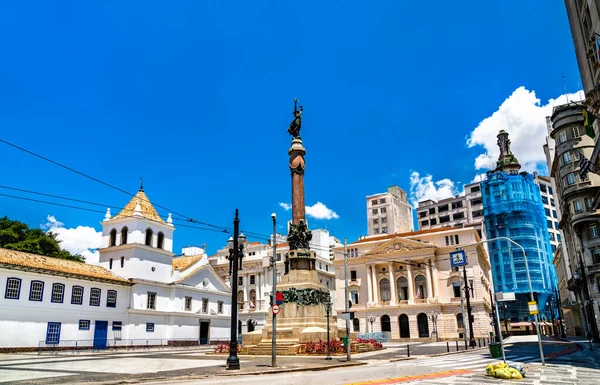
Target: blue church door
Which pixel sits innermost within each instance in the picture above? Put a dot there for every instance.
(100, 333)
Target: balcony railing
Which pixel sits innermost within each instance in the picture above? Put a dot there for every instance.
(249, 307)
(593, 268)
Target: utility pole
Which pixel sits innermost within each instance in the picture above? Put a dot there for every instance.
(274, 291)
(468, 298)
(346, 302)
(497, 327)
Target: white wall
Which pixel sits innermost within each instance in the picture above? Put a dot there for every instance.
(24, 322)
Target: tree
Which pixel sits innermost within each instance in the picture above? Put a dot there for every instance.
(18, 236)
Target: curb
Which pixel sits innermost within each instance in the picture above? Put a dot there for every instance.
(206, 376)
(402, 359)
(457, 352)
(564, 352)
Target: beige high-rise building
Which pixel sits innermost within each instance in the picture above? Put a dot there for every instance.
(459, 211)
(389, 212)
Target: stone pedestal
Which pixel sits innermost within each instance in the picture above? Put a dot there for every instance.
(296, 323)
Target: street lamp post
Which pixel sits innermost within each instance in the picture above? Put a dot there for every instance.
(468, 300)
(328, 310)
(235, 263)
(561, 316)
(372, 320)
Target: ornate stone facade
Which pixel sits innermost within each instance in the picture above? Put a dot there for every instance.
(400, 281)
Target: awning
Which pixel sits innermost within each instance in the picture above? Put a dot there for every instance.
(519, 324)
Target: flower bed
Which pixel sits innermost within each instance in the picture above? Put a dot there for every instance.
(376, 344)
(224, 348)
(337, 347)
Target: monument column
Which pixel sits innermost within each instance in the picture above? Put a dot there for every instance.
(411, 290)
(392, 285)
(369, 289)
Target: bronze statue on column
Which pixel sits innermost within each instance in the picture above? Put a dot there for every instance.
(299, 236)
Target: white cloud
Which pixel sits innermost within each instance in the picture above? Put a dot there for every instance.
(320, 211)
(80, 240)
(478, 178)
(317, 211)
(524, 118)
(423, 188)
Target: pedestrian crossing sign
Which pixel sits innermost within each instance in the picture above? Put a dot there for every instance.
(533, 309)
(458, 258)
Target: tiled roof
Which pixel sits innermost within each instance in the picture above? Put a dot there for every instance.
(183, 263)
(411, 233)
(282, 245)
(254, 243)
(49, 264)
(148, 210)
(191, 273)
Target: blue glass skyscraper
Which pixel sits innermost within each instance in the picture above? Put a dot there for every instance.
(513, 208)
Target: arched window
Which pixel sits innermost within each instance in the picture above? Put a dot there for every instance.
(421, 286)
(456, 289)
(384, 289)
(404, 326)
(459, 321)
(250, 325)
(149, 234)
(423, 325)
(356, 325)
(124, 232)
(112, 239)
(386, 326)
(402, 284)
(160, 240)
(252, 299)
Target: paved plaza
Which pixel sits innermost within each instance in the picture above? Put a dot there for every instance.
(567, 363)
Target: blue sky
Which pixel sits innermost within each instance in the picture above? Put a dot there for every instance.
(196, 97)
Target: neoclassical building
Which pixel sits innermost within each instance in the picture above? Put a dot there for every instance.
(404, 285)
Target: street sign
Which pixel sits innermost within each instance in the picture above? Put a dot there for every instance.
(458, 258)
(501, 297)
(279, 298)
(348, 315)
(275, 309)
(533, 309)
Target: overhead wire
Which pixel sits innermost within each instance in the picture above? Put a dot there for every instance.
(102, 182)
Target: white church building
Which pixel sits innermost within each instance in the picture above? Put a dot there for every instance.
(138, 294)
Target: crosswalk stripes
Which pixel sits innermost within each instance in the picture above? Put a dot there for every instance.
(471, 361)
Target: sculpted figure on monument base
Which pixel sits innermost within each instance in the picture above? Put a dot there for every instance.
(299, 236)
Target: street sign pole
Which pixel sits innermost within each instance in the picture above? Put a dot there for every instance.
(499, 334)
